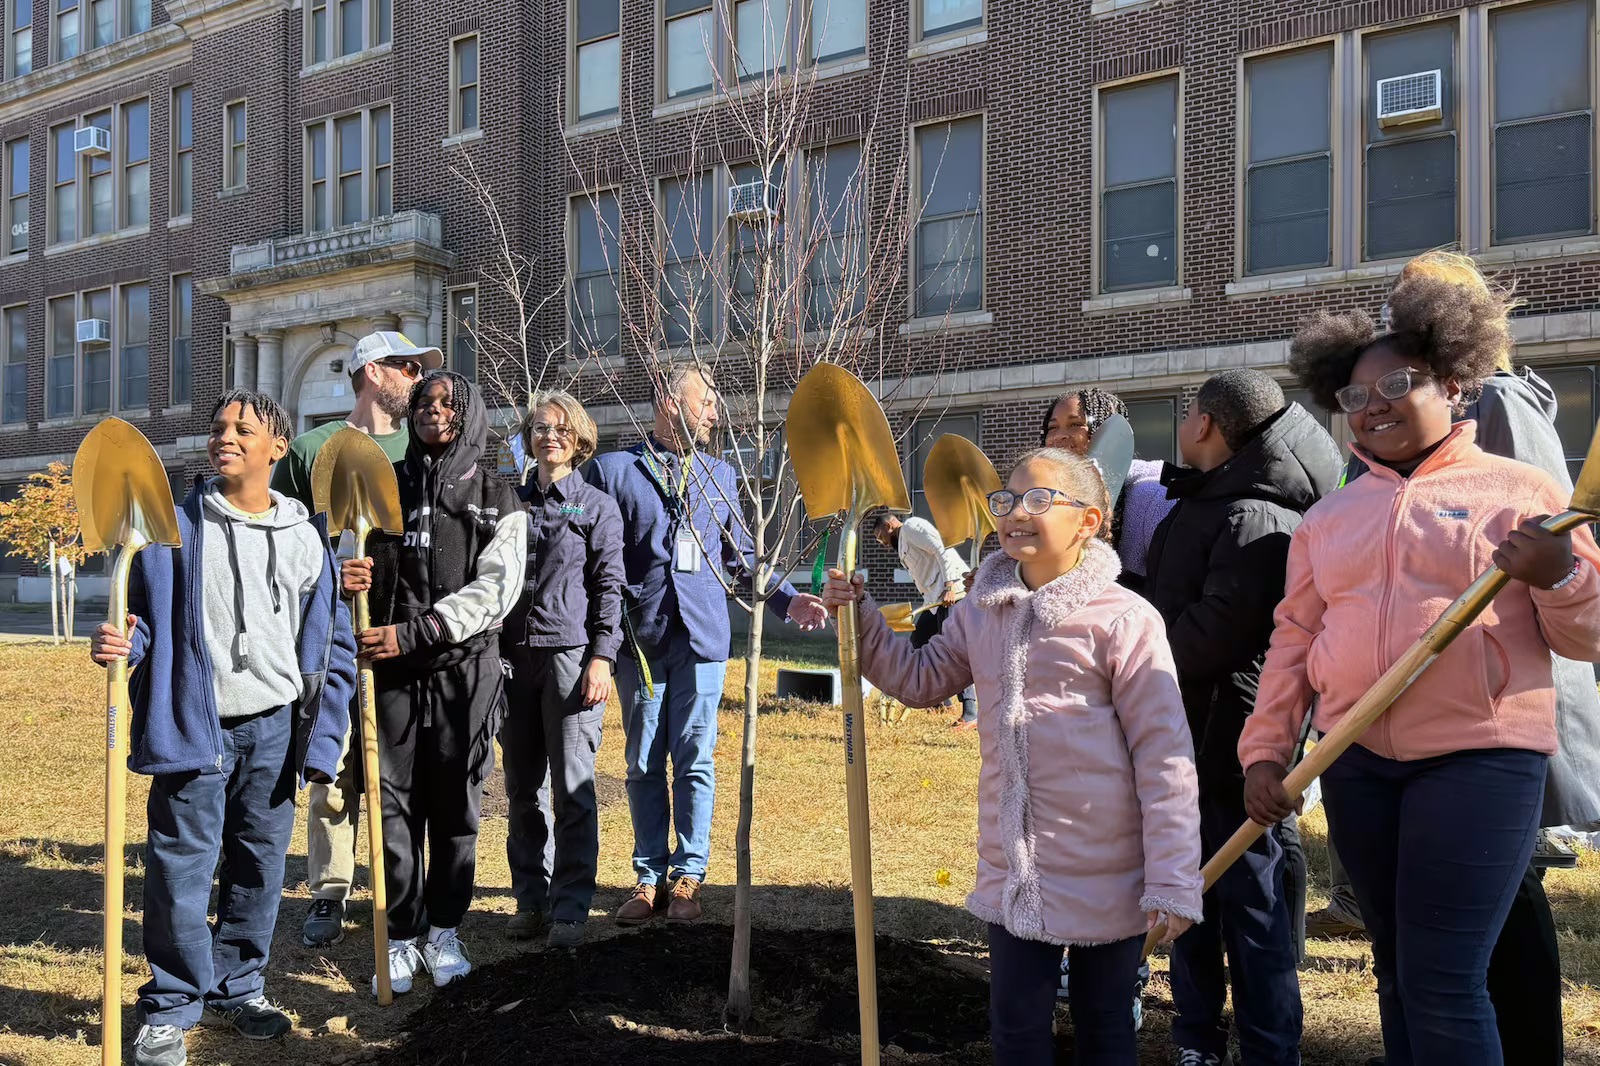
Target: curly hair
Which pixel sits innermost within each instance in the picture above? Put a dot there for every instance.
(1097, 406)
(1442, 310)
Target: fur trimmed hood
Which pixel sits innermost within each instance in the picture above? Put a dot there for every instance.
(998, 584)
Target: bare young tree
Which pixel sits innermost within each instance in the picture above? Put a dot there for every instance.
(774, 235)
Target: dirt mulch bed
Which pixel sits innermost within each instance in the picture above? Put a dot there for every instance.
(657, 997)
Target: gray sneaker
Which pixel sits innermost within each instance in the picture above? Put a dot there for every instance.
(258, 1019)
(566, 934)
(159, 1045)
(324, 924)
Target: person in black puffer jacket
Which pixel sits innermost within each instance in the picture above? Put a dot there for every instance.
(438, 596)
(1216, 567)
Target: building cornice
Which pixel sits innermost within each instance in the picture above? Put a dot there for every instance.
(198, 17)
(114, 65)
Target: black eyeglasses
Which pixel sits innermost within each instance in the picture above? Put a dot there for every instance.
(1035, 501)
(1391, 386)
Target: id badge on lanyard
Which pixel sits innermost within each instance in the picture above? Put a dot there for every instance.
(686, 556)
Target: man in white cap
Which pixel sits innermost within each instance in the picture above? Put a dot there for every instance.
(383, 369)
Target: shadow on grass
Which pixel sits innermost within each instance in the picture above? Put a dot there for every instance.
(55, 894)
(51, 1015)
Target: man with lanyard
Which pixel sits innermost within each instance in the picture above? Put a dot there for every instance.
(940, 577)
(383, 370)
(683, 522)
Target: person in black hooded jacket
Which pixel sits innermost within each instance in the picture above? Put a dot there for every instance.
(1254, 465)
(438, 596)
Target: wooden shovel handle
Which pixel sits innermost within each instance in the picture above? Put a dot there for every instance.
(119, 717)
(1378, 699)
(857, 807)
(367, 712)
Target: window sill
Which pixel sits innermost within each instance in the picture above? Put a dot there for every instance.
(817, 337)
(180, 222)
(1542, 251)
(975, 36)
(685, 105)
(1277, 284)
(232, 192)
(354, 59)
(591, 126)
(177, 409)
(98, 240)
(947, 323)
(13, 259)
(605, 364)
(756, 86)
(1106, 8)
(1114, 302)
(73, 421)
(838, 68)
(14, 427)
(464, 138)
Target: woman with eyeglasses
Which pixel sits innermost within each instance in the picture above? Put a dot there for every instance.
(1088, 820)
(561, 643)
(1436, 807)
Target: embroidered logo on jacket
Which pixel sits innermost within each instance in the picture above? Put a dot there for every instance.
(572, 508)
(1450, 513)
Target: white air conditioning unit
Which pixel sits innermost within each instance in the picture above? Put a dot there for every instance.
(753, 200)
(1411, 98)
(743, 460)
(94, 331)
(91, 140)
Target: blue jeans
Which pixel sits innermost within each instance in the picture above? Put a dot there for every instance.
(245, 814)
(680, 721)
(1023, 975)
(1435, 849)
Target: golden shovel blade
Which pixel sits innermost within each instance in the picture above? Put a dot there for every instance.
(957, 479)
(353, 483)
(1586, 493)
(121, 489)
(898, 615)
(843, 452)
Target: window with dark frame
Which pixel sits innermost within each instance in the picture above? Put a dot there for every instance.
(14, 385)
(1155, 428)
(598, 57)
(136, 163)
(17, 198)
(61, 364)
(949, 238)
(19, 38)
(65, 44)
(595, 312)
(98, 181)
(688, 282)
(63, 184)
(1139, 186)
(1542, 151)
(1289, 173)
(919, 442)
(182, 140)
(1411, 169)
(947, 16)
(182, 368)
(761, 37)
(463, 332)
(95, 357)
(690, 35)
(464, 71)
(349, 169)
(133, 348)
(836, 272)
(235, 159)
(838, 29)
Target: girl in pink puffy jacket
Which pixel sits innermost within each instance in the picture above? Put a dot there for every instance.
(1088, 828)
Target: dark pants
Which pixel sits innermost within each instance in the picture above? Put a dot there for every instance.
(928, 625)
(548, 741)
(433, 766)
(1023, 977)
(1435, 849)
(245, 816)
(1296, 877)
(1525, 978)
(1246, 913)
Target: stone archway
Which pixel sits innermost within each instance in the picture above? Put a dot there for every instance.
(312, 389)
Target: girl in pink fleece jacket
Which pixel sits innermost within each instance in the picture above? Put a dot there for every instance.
(1088, 825)
(1435, 809)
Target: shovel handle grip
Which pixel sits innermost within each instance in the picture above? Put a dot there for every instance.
(1378, 699)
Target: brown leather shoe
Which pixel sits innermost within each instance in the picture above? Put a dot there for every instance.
(639, 907)
(684, 907)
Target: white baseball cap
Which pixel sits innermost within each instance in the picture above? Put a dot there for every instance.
(389, 344)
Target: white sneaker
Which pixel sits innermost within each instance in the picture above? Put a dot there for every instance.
(404, 962)
(446, 957)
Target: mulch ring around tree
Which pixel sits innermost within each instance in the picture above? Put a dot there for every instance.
(656, 997)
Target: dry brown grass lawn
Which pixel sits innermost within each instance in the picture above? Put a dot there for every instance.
(923, 786)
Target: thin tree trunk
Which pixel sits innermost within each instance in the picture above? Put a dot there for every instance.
(55, 584)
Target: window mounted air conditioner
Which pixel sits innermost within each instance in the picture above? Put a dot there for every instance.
(91, 140)
(754, 200)
(94, 331)
(1411, 98)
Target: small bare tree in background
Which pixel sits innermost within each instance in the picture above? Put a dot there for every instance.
(770, 238)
